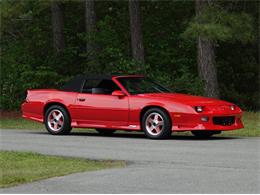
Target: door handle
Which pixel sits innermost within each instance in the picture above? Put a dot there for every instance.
(81, 99)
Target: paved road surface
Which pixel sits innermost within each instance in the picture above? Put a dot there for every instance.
(178, 165)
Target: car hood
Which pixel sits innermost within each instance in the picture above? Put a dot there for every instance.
(186, 99)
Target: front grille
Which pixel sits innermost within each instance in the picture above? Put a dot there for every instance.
(225, 121)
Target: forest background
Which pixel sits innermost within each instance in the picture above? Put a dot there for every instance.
(197, 47)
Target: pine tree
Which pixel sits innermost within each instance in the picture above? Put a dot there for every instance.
(136, 31)
(57, 14)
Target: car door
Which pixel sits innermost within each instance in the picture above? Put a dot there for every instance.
(97, 106)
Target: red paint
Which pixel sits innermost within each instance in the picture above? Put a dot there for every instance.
(124, 112)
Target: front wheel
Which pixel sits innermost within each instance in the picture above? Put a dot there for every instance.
(156, 124)
(202, 134)
(57, 120)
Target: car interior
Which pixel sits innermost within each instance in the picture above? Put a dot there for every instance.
(99, 86)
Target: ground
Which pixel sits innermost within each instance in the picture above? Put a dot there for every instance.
(24, 167)
(181, 164)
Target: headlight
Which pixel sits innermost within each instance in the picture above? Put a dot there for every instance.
(199, 108)
(232, 107)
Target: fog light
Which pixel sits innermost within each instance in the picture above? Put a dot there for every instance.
(205, 119)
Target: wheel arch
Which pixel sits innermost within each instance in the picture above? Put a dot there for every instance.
(146, 108)
(49, 104)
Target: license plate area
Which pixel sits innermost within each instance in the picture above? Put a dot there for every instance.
(224, 120)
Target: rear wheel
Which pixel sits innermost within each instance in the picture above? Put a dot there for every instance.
(57, 120)
(156, 124)
(203, 134)
(106, 131)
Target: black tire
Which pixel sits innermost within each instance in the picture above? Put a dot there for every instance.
(106, 131)
(63, 129)
(203, 134)
(166, 129)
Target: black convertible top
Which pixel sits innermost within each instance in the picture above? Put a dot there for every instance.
(76, 84)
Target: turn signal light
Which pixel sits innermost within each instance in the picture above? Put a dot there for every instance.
(205, 119)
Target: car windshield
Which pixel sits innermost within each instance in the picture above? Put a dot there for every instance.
(140, 85)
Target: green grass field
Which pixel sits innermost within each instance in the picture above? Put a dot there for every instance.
(251, 122)
(24, 167)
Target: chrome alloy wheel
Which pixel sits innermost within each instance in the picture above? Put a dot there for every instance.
(154, 123)
(55, 120)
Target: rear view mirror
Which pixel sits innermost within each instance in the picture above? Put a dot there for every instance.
(118, 93)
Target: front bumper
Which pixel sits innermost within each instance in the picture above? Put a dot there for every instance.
(192, 122)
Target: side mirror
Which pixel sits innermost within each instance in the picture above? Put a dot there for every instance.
(118, 93)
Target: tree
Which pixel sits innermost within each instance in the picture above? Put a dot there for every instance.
(90, 24)
(136, 32)
(230, 26)
(222, 24)
(206, 57)
(57, 14)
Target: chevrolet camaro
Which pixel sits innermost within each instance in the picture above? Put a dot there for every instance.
(132, 103)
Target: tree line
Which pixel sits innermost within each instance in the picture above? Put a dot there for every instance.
(185, 44)
(206, 56)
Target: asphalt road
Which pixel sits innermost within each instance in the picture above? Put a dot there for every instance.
(176, 165)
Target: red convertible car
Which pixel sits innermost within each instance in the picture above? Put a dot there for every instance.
(133, 103)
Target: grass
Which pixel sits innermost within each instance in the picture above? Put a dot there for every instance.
(251, 122)
(19, 123)
(24, 167)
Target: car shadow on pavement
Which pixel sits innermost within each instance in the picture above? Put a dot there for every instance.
(140, 135)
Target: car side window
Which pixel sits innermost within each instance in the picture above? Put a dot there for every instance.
(99, 86)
